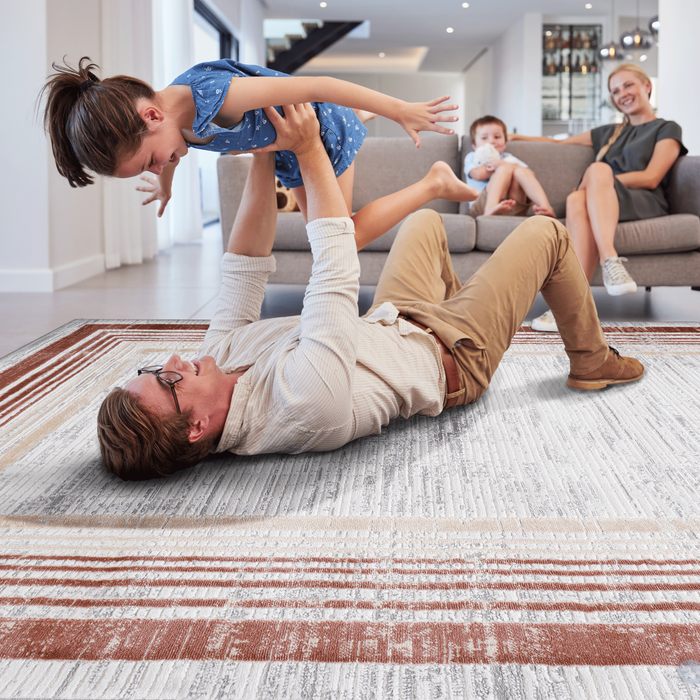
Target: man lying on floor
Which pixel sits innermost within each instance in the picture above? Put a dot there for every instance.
(318, 381)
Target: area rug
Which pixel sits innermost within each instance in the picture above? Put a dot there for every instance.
(542, 543)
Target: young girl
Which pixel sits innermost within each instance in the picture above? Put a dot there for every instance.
(121, 127)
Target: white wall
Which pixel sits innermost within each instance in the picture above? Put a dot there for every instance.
(50, 231)
(516, 75)
(252, 48)
(245, 17)
(478, 92)
(75, 215)
(679, 54)
(24, 225)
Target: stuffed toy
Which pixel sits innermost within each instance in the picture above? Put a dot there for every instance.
(286, 201)
(487, 153)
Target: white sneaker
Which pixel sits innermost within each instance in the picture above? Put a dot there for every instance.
(545, 323)
(616, 279)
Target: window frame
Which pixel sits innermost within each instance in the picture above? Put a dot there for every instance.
(228, 44)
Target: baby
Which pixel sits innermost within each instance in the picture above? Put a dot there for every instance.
(507, 185)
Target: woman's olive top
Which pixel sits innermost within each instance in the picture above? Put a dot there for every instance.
(632, 152)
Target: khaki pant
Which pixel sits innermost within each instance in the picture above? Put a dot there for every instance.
(478, 320)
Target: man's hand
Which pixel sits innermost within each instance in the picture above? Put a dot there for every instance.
(297, 131)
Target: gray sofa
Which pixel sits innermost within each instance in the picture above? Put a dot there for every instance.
(661, 252)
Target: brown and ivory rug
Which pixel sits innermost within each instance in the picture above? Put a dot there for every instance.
(542, 543)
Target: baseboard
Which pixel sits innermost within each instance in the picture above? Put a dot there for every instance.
(50, 280)
(31, 280)
(77, 271)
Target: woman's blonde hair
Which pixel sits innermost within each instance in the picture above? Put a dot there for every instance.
(644, 78)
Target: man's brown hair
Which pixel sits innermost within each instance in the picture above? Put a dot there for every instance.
(138, 443)
(483, 121)
(92, 123)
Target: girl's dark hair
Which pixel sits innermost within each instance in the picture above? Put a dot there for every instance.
(92, 123)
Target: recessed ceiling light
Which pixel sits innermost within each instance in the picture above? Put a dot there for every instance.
(643, 57)
(449, 30)
(588, 6)
(382, 54)
(323, 4)
(465, 5)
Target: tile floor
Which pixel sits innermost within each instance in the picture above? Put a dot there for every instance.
(183, 282)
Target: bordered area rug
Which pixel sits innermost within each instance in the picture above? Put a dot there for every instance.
(542, 543)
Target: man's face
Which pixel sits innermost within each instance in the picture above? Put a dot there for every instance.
(199, 390)
(490, 133)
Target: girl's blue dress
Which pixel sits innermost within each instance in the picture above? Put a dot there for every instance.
(341, 131)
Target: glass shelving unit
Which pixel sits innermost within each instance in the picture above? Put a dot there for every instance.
(571, 75)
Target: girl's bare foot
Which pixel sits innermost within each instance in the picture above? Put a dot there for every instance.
(501, 208)
(363, 115)
(544, 211)
(447, 185)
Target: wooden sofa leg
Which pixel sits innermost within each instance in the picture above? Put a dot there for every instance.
(648, 289)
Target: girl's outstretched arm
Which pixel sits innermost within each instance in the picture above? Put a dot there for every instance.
(257, 93)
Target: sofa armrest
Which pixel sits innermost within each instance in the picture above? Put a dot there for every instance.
(684, 188)
(232, 172)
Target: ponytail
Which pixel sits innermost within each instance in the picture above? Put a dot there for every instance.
(613, 137)
(92, 124)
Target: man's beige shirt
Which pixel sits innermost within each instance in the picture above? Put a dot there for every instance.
(317, 381)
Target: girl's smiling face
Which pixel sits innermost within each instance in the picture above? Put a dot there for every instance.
(162, 145)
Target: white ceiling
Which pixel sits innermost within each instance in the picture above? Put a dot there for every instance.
(406, 25)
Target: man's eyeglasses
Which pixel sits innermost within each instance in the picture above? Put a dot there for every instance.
(168, 378)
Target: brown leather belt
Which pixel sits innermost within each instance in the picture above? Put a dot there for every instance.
(454, 391)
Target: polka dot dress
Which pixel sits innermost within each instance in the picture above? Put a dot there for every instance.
(342, 132)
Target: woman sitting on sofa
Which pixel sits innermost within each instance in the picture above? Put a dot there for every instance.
(627, 182)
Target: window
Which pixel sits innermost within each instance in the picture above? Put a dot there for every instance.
(206, 20)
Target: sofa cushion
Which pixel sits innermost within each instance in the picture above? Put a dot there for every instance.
(460, 230)
(385, 165)
(675, 233)
(491, 231)
(558, 167)
(682, 192)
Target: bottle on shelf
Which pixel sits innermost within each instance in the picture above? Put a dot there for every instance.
(577, 64)
(585, 66)
(594, 65)
(586, 42)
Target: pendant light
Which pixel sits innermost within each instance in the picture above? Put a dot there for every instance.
(654, 25)
(611, 51)
(637, 39)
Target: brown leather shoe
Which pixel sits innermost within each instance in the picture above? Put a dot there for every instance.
(615, 370)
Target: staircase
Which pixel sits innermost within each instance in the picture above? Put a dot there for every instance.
(295, 50)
